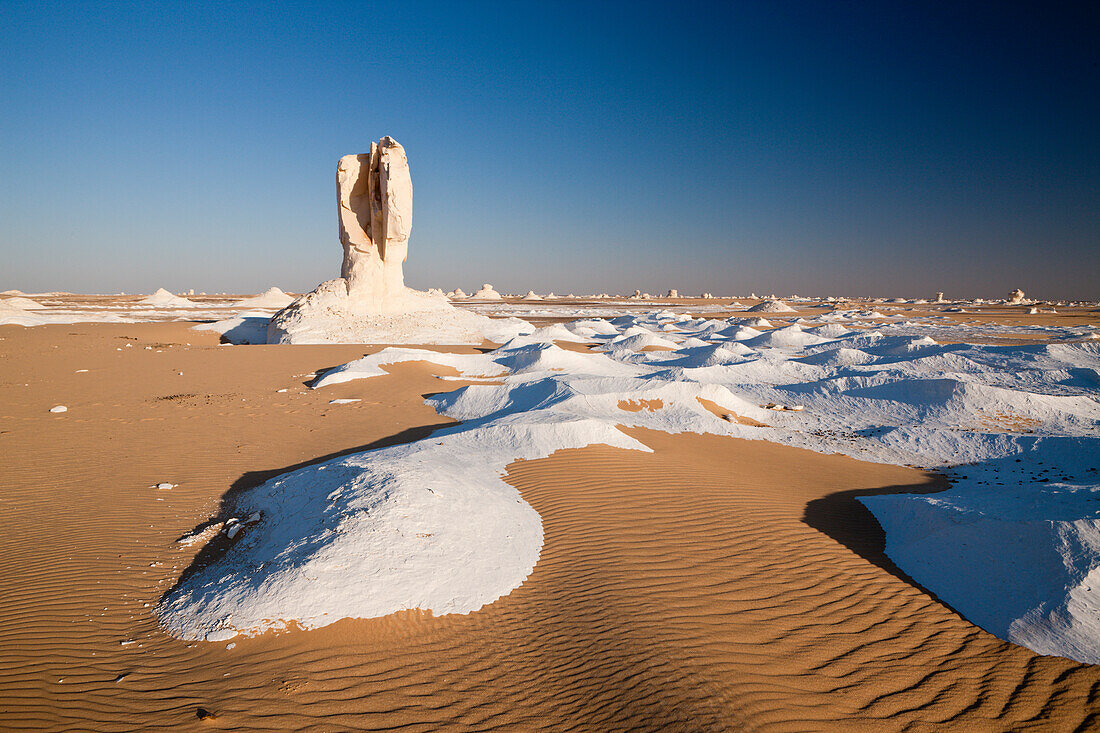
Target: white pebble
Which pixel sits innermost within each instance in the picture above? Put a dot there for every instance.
(59, 408)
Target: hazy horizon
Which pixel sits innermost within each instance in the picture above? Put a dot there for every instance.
(819, 149)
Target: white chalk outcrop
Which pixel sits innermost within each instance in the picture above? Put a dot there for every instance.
(487, 293)
(271, 298)
(1016, 297)
(166, 299)
(1014, 546)
(770, 306)
(25, 304)
(369, 302)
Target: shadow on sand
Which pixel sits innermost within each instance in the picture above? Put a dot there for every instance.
(844, 519)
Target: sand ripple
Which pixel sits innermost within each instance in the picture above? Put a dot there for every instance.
(714, 584)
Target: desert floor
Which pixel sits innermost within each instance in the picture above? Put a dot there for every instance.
(714, 584)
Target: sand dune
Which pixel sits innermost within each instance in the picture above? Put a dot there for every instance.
(714, 584)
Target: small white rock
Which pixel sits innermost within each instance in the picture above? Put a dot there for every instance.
(230, 645)
(166, 485)
(59, 408)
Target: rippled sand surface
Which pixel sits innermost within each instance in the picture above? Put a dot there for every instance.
(714, 584)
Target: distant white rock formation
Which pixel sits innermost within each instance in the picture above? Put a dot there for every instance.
(369, 302)
(458, 294)
(487, 293)
(1016, 297)
(164, 298)
(532, 295)
(673, 293)
(771, 306)
(25, 304)
(273, 297)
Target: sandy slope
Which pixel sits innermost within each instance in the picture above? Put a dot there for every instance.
(713, 584)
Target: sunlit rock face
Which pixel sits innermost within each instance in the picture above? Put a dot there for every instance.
(369, 302)
(374, 193)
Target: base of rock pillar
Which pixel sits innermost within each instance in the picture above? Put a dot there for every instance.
(329, 316)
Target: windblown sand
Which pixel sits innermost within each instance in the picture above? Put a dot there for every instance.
(714, 584)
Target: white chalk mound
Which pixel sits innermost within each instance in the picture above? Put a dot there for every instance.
(25, 304)
(11, 315)
(164, 298)
(1015, 546)
(771, 306)
(412, 526)
(273, 297)
(1021, 560)
(486, 293)
(329, 315)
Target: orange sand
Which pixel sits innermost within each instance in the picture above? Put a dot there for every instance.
(714, 584)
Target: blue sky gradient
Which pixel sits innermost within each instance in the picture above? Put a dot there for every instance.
(819, 148)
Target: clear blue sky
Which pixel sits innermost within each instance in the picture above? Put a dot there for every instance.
(868, 148)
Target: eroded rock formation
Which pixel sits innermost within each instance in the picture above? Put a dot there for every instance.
(375, 202)
(487, 292)
(369, 302)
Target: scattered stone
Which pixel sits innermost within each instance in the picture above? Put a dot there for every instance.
(59, 408)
